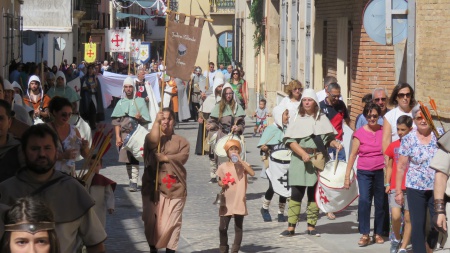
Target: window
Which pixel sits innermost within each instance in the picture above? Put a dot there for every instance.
(225, 48)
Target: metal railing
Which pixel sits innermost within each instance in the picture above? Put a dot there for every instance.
(222, 6)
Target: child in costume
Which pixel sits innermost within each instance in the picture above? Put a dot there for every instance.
(101, 190)
(272, 140)
(233, 180)
(261, 115)
(404, 126)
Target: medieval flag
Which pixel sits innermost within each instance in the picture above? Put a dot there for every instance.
(134, 49)
(183, 42)
(144, 52)
(90, 52)
(118, 40)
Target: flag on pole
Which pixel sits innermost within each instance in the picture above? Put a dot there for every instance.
(144, 52)
(90, 51)
(134, 49)
(118, 40)
(183, 42)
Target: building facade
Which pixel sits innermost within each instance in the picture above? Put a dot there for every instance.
(10, 34)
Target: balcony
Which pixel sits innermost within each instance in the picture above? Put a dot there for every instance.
(222, 6)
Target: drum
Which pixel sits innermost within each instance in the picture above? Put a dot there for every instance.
(135, 142)
(220, 151)
(278, 171)
(282, 156)
(330, 193)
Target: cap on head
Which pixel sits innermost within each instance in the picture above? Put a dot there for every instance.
(128, 81)
(231, 143)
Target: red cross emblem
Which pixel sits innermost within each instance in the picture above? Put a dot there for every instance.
(322, 196)
(141, 88)
(228, 179)
(90, 53)
(117, 40)
(169, 180)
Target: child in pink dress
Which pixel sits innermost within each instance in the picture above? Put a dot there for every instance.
(233, 180)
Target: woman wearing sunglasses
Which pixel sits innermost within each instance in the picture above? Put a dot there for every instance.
(366, 144)
(417, 149)
(70, 142)
(292, 101)
(238, 85)
(403, 100)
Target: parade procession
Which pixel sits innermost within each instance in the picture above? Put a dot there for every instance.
(157, 125)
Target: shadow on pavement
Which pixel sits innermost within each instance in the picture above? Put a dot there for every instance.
(346, 227)
(253, 196)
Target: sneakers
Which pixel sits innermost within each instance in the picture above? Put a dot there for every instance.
(266, 215)
(394, 246)
(281, 218)
(287, 233)
(402, 251)
(133, 187)
(213, 181)
(313, 232)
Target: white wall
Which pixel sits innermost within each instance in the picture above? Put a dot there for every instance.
(33, 53)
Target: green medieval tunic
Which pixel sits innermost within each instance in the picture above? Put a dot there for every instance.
(301, 131)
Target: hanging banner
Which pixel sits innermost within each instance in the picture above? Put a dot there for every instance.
(183, 42)
(134, 49)
(144, 52)
(118, 40)
(90, 52)
(45, 16)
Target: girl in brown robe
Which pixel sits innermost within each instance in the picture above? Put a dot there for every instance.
(233, 180)
(163, 205)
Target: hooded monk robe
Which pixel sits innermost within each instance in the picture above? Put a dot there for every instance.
(162, 217)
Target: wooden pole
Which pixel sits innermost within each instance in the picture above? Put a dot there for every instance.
(162, 95)
(187, 15)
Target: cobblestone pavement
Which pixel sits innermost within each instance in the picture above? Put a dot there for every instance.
(200, 217)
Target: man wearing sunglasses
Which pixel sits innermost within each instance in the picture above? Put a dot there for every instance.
(321, 95)
(337, 113)
(379, 97)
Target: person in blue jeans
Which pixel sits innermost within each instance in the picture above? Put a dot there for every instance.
(337, 113)
(416, 151)
(367, 143)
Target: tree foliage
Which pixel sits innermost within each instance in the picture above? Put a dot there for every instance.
(257, 19)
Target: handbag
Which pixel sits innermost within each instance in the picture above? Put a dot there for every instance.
(320, 158)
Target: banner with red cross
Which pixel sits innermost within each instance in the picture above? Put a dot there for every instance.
(331, 199)
(90, 52)
(118, 40)
(134, 49)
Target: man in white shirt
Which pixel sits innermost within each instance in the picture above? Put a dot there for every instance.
(321, 95)
(210, 74)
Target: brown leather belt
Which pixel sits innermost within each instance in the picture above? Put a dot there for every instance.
(310, 150)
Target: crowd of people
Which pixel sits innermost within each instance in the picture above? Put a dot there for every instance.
(392, 153)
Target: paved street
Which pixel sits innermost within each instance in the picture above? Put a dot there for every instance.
(200, 218)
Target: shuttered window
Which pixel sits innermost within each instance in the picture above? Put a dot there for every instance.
(283, 41)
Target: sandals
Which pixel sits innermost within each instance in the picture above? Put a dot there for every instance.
(331, 216)
(364, 241)
(378, 239)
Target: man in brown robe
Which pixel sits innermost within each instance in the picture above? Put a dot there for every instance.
(163, 205)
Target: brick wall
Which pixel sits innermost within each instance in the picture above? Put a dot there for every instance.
(372, 63)
(433, 54)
